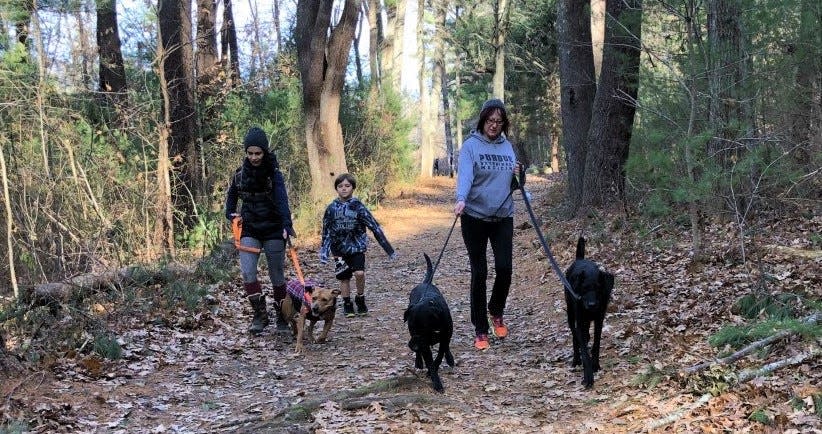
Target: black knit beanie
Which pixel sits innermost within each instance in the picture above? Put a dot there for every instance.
(256, 137)
(493, 103)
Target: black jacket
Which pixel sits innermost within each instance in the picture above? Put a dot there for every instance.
(265, 209)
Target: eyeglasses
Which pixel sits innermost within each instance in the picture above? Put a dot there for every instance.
(496, 122)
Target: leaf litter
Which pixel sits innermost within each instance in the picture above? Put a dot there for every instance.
(205, 374)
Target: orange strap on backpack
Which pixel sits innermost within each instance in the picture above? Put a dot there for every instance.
(237, 230)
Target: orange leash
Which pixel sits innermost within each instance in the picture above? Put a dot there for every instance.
(292, 253)
(237, 230)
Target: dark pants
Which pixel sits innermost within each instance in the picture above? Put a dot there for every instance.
(476, 234)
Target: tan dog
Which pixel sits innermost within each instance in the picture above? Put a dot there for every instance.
(296, 311)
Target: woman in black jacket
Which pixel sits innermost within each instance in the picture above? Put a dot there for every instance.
(266, 224)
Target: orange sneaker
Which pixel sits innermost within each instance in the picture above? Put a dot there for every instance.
(500, 330)
(481, 342)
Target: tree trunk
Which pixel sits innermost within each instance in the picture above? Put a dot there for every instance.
(177, 68)
(805, 119)
(445, 119)
(690, 87)
(388, 56)
(426, 149)
(502, 13)
(112, 70)
(257, 55)
(206, 42)
(398, 30)
(164, 223)
(208, 79)
(229, 53)
(452, 156)
(577, 90)
(42, 87)
(277, 30)
(85, 51)
(614, 106)
(439, 88)
(725, 77)
(373, 41)
(323, 59)
(356, 45)
(9, 222)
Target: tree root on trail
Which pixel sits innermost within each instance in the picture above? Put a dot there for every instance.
(743, 377)
(748, 349)
(301, 412)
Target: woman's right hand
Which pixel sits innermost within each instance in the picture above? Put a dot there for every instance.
(460, 205)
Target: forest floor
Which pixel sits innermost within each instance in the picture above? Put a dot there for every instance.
(204, 373)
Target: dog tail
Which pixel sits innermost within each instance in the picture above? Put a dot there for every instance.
(429, 274)
(581, 248)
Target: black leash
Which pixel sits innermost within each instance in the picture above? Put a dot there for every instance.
(434, 270)
(545, 247)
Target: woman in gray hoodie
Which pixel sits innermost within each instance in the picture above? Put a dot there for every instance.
(487, 163)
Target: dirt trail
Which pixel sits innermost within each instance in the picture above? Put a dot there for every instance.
(213, 377)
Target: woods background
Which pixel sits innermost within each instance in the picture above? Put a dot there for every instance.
(121, 122)
(684, 136)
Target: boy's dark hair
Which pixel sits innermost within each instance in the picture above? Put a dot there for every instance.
(346, 177)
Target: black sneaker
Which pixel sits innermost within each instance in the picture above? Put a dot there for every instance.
(348, 309)
(362, 309)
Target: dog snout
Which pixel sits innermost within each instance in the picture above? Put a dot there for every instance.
(590, 300)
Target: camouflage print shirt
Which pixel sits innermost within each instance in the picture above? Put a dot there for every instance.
(344, 224)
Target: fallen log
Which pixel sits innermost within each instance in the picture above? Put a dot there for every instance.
(79, 286)
(812, 319)
(743, 377)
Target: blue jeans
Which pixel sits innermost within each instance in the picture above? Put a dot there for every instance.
(274, 255)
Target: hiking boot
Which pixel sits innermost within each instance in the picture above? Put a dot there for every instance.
(499, 329)
(260, 320)
(282, 324)
(348, 308)
(362, 309)
(481, 342)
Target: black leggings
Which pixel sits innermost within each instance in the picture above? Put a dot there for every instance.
(476, 233)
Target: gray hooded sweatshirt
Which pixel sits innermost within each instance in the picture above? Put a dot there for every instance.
(484, 176)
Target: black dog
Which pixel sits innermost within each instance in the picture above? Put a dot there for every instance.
(429, 323)
(593, 286)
